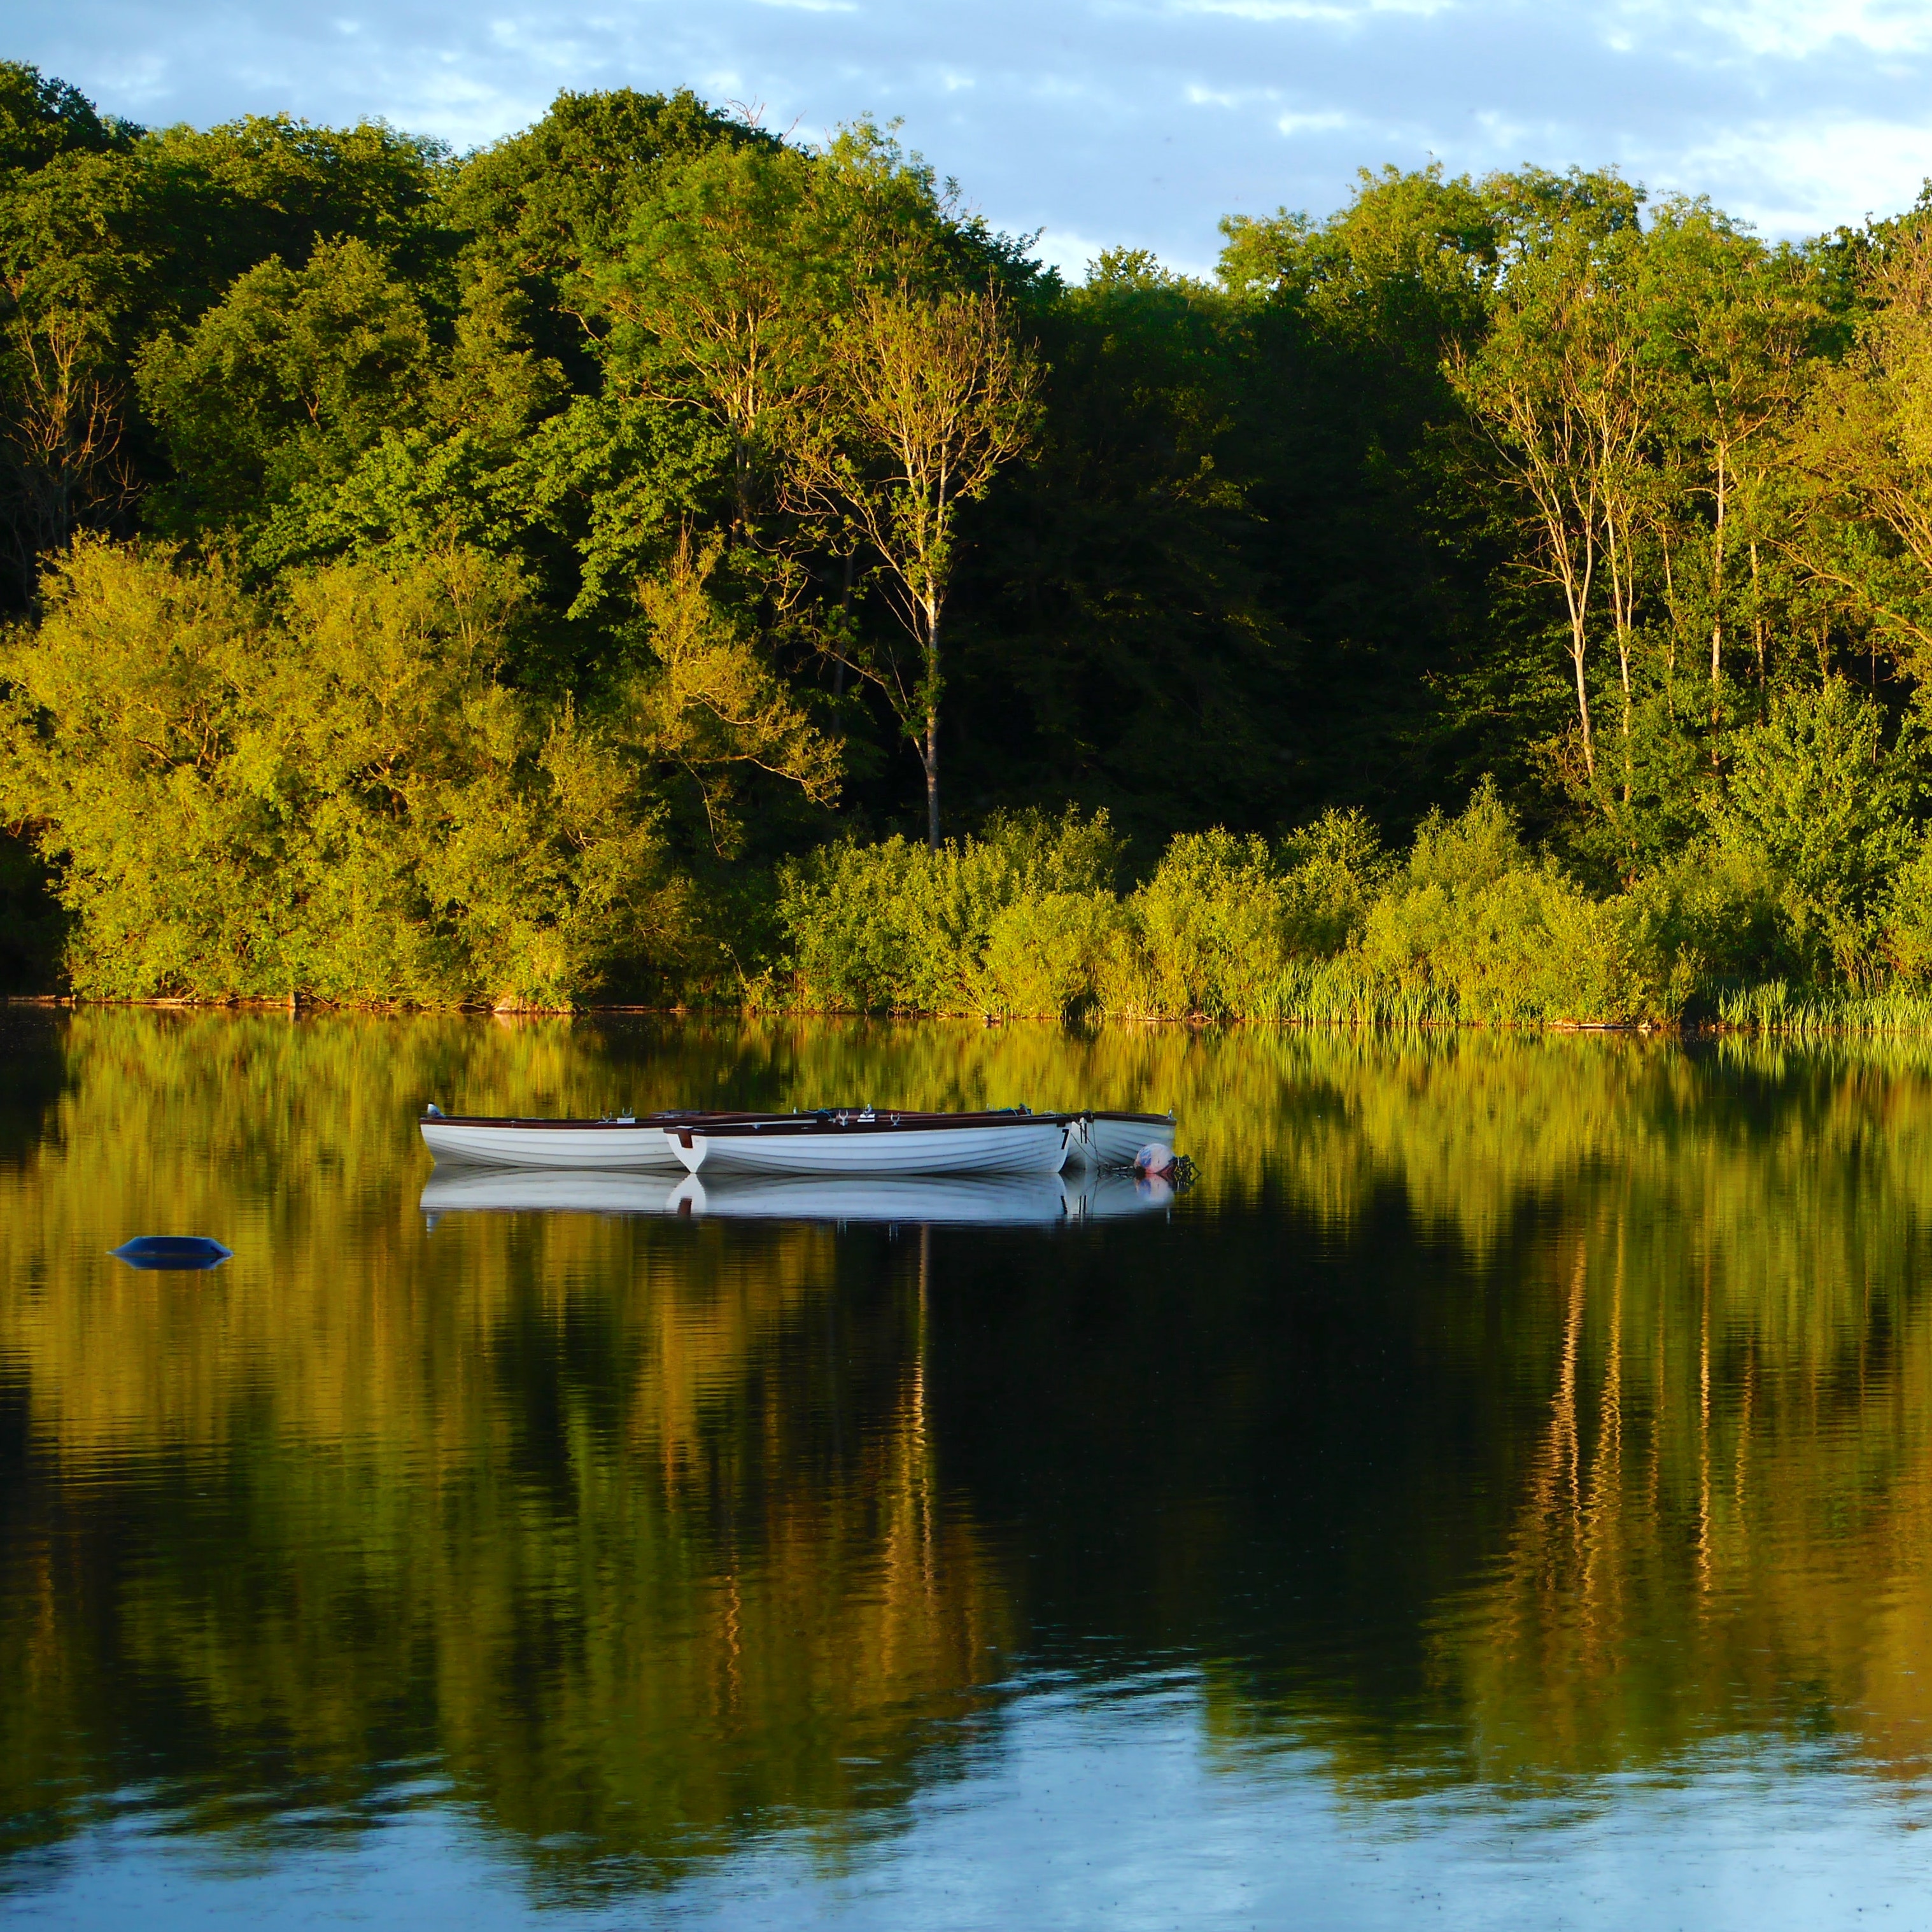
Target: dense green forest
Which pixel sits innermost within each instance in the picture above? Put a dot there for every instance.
(649, 559)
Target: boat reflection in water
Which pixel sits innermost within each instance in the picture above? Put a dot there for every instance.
(978, 1201)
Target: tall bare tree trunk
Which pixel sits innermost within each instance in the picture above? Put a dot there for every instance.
(931, 755)
(936, 395)
(1620, 550)
(932, 780)
(1577, 648)
(1670, 636)
(1576, 584)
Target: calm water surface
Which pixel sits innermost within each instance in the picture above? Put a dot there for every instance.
(1499, 1494)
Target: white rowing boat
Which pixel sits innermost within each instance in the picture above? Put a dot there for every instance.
(875, 1143)
(848, 1141)
(622, 1141)
(1110, 1141)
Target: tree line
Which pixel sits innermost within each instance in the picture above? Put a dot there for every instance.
(518, 575)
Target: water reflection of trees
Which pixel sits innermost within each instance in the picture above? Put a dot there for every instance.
(633, 1527)
(1496, 1407)
(1718, 1342)
(1724, 1524)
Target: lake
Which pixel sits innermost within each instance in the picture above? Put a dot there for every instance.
(1498, 1493)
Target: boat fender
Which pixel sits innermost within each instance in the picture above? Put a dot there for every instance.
(1155, 1162)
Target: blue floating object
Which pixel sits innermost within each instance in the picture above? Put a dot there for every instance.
(177, 1253)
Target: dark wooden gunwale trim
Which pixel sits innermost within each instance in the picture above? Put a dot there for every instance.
(880, 1123)
(579, 1126)
(753, 1123)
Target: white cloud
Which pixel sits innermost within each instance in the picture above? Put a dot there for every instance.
(1292, 124)
(1793, 29)
(1069, 251)
(1806, 178)
(1196, 95)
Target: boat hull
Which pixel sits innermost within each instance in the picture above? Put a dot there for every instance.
(1037, 1144)
(1112, 1140)
(568, 1143)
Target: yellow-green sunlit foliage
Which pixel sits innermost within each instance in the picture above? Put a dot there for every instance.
(337, 794)
(1323, 926)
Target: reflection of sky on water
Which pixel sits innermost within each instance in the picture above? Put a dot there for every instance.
(1113, 1809)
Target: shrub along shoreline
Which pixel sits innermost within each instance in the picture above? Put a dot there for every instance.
(1327, 927)
(1803, 904)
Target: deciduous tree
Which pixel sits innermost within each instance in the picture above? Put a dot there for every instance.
(933, 397)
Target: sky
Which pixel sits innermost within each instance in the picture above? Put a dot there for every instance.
(1103, 123)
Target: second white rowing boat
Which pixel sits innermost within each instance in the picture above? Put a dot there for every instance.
(872, 1143)
(625, 1141)
(1110, 1142)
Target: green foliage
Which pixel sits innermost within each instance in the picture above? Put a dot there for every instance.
(720, 297)
(1519, 476)
(1403, 265)
(1472, 928)
(1512, 937)
(1330, 874)
(1908, 925)
(41, 118)
(288, 380)
(1014, 921)
(338, 797)
(1826, 813)
(544, 202)
(1208, 927)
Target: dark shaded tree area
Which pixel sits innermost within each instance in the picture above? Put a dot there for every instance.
(795, 487)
